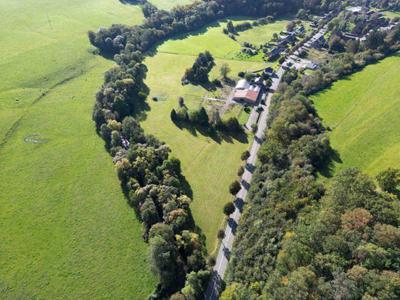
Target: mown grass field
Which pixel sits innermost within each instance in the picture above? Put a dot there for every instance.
(66, 230)
(209, 165)
(260, 34)
(169, 4)
(364, 112)
(391, 14)
(220, 45)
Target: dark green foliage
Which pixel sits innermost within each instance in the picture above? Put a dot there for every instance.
(245, 155)
(198, 73)
(235, 187)
(336, 44)
(221, 234)
(240, 171)
(229, 208)
(282, 187)
(389, 180)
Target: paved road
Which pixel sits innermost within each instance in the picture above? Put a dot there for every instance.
(226, 246)
(233, 221)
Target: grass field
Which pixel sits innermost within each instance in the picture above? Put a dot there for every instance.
(168, 4)
(364, 113)
(209, 165)
(390, 14)
(219, 44)
(260, 34)
(66, 230)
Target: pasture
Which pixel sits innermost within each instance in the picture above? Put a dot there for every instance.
(363, 111)
(66, 230)
(220, 45)
(209, 165)
(260, 34)
(169, 4)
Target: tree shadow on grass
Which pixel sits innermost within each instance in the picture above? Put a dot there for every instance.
(131, 2)
(181, 36)
(328, 166)
(216, 135)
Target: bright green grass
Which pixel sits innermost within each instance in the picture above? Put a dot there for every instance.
(66, 230)
(259, 35)
(209, 166)
(169, 4)
(364, 113)
(210, 38)
(390, 14)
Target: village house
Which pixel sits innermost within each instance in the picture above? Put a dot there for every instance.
(246, 92)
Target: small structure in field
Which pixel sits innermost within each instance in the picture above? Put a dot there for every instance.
(246, 92)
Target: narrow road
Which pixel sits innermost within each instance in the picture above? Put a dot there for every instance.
(225, 249)
(233, 221)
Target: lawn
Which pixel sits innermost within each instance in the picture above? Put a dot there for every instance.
(220, 45)
(261, 34)
(363, 110)
(66, 230)
(169, 4)
(209, 165)
(391, 14)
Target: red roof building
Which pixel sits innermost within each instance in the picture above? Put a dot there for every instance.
(248, 93)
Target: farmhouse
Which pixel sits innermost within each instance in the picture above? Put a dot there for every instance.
(246, 92)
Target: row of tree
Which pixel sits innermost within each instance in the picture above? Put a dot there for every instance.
(201, 118)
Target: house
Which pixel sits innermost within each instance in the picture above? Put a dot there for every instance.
(269, 71)
(311, 66)
(275, 53)
(300, 30)
(354, 9)
(246, 92)
(319, 43)
(349, 36)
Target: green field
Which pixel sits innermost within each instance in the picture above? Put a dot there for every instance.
(168, 4)
(219, 44)
(260, 34)
(209, 165)
(391, 14)
(66, 230)
(364, 112)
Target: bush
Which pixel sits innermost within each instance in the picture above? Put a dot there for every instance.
(229, 208)
(234, 188)
(245, 155)
(221, 234)
(240, 171)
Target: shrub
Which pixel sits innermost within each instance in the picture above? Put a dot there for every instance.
(235, 187)
(240, 171)
(245, 155)
(229, 208)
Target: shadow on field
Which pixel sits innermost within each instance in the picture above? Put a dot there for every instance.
(327, 167)
(132, 2)
(215, 135)
(181, 36)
